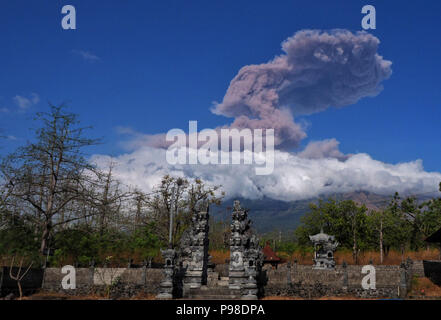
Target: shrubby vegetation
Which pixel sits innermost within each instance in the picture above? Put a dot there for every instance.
(54, 202)
(402, 225)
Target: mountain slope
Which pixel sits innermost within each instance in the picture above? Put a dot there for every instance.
(270, 214)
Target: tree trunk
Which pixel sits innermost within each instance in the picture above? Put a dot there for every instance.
(20, 291)
(354, 248)
(402, 252)
(102, 222)
(386, 251)
(138, 215)
(45, 236)
(381, 240)
(440, 246)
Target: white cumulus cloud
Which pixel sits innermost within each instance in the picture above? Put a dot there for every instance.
(294, 177)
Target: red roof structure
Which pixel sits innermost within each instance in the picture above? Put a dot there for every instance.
(269, 256)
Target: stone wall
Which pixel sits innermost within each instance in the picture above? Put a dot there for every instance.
(121, 282)
(418, 268)
(296, 280)
(303, 281)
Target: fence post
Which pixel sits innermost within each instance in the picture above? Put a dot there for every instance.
(144, 272)
(402, 289)
(345, 276)
(91, 271)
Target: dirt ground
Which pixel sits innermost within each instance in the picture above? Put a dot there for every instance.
(422, 289)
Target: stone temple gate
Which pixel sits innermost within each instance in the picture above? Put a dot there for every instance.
(189, 273)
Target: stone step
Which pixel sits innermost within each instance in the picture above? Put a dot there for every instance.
(209, 290)
(215, 297)
(213, 293)
(223, 281)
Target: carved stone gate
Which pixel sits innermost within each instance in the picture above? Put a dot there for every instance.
(193, 255)
(192, 267)
(245, 254)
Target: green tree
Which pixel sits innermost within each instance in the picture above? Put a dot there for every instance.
(427, 219)
(344, 219)
(397, 229)
(145, 242)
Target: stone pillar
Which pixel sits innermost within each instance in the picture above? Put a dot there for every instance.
(250, 287)
(288, 276)
(91, 272)
(144, 272)
(345, 276)
(294, 272)
(409, 274)
(194, 251)
(166, 286)
(402, 291)
(252, 263)
(239, 227)
(245, 255)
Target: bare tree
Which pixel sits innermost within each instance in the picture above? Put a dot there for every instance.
(377, 220)
(181, 198)
(107, 198)
(139, 199)
(19, 276)
(48, 175)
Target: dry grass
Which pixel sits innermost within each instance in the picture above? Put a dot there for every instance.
(393, 258)
(144, 296)
(281, 298)
(424, 287)
(321, 298)
(118, 260)
(219, 257)
(60, 296)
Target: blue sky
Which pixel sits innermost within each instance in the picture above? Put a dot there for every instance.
(155, 65)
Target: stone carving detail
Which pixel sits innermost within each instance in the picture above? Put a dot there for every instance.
(245, 254)
(166, 286)
(194, 250)
(324, 247)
